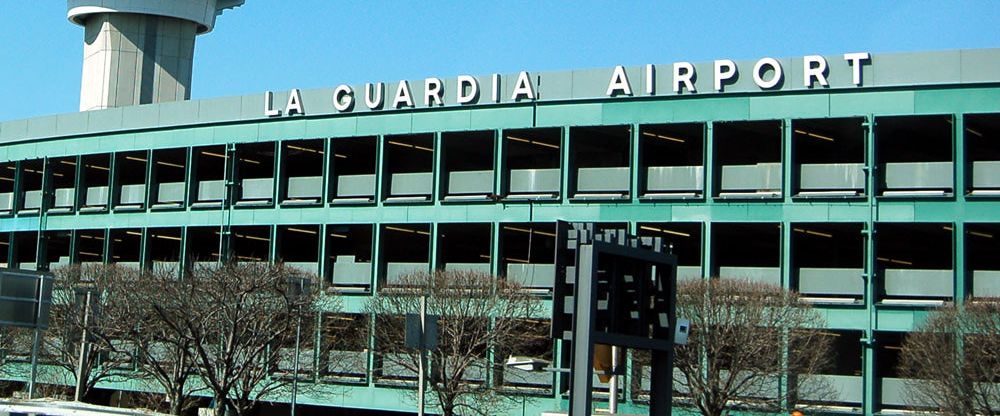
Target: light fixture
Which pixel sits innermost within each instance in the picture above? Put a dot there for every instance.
(338, 235)
(888, 260)
(99, 167)
(412, 146)
(301, 230)
(207, 153)
(664, 137)
(980, 234)
(255, 162)
(6, 179)
(529, 230)
(137, 159)
(811, 232)
(665, 231)
(339, 156)
(535, 142)
(68, 162)
(977, 133)
(252, 237)
(406, 230)
(133, 233)
(167, 237)
(814, 135)
(304, 149)
(173, 165)
(511, 259)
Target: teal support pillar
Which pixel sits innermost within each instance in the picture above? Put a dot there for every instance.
(324, 260)
(961, 165)
(787, 251)
(499, 164)
(869, 341)
(273, 256)
(707, 255)
(182, 262)
(380, 176)
(635, 164)
(148, 200)
(495, 259)
(433, 244)
(439, 191)
(279, 181)
(708, 163)
(566, 164)
(378, 263)
(787, 161)
(958, 260)
(328, 172)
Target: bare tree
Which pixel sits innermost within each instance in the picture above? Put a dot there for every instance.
(953, 360)
(162, 359)
(233, 318)
(477, 313)
(71, 319)
(745, 337)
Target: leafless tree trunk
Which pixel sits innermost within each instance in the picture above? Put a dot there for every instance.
(477, 312)
(102, 359)
(745, 337)
(234, 318)
(953, 360)
(161, 358)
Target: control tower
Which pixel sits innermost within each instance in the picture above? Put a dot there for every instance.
(140, 51)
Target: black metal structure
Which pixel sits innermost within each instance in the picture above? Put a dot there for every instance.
(616, 289)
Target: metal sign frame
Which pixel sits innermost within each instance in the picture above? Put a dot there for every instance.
(614, 273)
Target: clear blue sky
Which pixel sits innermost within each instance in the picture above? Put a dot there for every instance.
(282, 44)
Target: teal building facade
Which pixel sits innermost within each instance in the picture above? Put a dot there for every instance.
(875, 193)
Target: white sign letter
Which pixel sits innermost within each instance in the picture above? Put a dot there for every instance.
(496, 88)
(373, 95)
(855, 60)
(814, 67)
(294, 105)
(432, 92)
(650, 79)
(403, 96)
(724, 69)
(684, 73)
(343, 98)
(761, 66)
(619, 83)
(523, 87)
(268, 111)
(470, 83)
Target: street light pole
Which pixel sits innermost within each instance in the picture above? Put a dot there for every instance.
(295, 372)
(80, 382)
(420, 365)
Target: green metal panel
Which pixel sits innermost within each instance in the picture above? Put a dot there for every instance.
(702, 109)
(882, 102)
(398, 123)
(442, 120)
(508, 117)
(551, 115)
(798, 106)
(622, 112)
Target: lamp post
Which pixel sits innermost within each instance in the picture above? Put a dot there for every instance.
(299, 290)
(86, 296)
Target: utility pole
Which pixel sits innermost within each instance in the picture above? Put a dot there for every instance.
(421, 376)
(80, 379)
